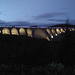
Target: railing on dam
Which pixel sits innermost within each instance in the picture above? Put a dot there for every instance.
(43, 33)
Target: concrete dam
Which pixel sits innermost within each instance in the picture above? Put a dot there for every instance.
(35, 32)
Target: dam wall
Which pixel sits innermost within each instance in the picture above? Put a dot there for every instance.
(35, 32)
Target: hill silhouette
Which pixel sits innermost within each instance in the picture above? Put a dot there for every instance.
(63, 25)
(31, 51)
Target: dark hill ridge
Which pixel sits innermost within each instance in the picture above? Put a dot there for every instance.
(63, 25)
(14, 49)
(32, 51)
(68, 50)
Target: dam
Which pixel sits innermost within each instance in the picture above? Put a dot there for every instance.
(35, 32)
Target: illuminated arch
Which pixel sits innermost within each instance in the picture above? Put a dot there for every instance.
(29, 32)
(39, 33)
(62, 30)
(49, 32)
(58, 31)
(53, 31)
(5, 31)
(14, 31)
(0, 31)
(22, 31)
(73, 29)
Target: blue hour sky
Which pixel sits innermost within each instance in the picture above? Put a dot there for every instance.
(37, 11)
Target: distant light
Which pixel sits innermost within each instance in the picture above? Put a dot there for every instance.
(60, 32)
(48, 38)
(31, 36)
(0, 31)
(56, 34)
(51, 36)
(72, 29)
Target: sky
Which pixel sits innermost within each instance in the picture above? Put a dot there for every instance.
(37, 11)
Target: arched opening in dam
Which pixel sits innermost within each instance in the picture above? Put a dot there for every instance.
(53, 32)
(73, 29)
(62, 30)
(22, 31)
(5, 31)
(65, 29)
(58, 31)
(40, 33)
(70, 29)
(14, 31)
(49, 32)
(29, 32)
(0, 31)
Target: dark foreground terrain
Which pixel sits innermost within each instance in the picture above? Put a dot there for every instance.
(22, 55)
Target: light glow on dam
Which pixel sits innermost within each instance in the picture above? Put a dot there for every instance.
(62, 30)
(53, 32)
(58, 31)
(5, 31)
(14, 31)
(22, 31)
(29, 32)
(49, 32)
(40, 33)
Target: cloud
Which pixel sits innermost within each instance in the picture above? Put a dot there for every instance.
(2, 22)
(19, 23)
(23, 24)
(48, 15)
(63, 8)
(0, 13)
(15, 23)
(72, 22)
(59, 20)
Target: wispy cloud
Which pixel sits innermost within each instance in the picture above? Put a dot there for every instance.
(1, 12)
(48, 15)
(23, 23)
(15, 23)
(65, 8)
(72, 22)
(59, 20)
